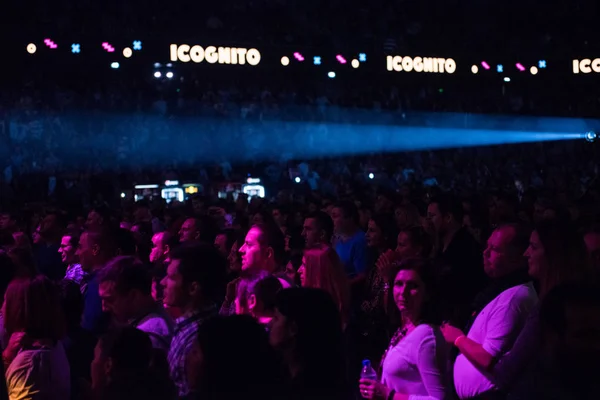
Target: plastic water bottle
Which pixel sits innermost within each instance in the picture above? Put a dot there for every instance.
(367, 371)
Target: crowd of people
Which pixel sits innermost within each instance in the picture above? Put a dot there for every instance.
(447, 296)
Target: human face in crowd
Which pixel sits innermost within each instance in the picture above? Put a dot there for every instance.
(279, 217)
(86, 253)
(67, 250)
(37, 238)
(311, 233)
(94, 220)
(253, 254)
(302, 272)
(188, 231)
(497, 260)
(118, 305)
(405, 247)
(290, 272)
(341, 224)
(221, 244)
(401, 217)
(434, 215)
(592, 242)
(159, 249)
(374, 236)
(175, 293)
(409, 292)
(234, 258)
(6, 222)
(257, 219)
(125, 225)
(536, 256)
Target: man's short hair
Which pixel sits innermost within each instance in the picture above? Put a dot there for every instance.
(349, 210)
(207, 228)
(449, 204)
(124, 242)
(104, 239)
(127, 273)
(73, 236)
(271, 236)
(520, 242)
(324, 223)
(202, 263)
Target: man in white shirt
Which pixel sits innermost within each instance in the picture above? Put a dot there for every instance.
(496, 323)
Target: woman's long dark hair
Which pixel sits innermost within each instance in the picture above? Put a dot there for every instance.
(431, 312)
(318, 346)
(237, 360)
(567, 257)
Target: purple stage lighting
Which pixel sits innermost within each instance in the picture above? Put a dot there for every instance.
(485, 65)
(106, 46)
(50, 43)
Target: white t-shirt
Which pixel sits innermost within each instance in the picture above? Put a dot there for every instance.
(496, 329)
(417, 366)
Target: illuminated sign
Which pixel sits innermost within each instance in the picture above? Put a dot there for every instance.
(421, 64)
(586, 66)
(191, 190)
(171, 183)
(253, 180)
(215, 55)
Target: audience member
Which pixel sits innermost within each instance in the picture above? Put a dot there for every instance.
(67, 251)
(96, 248)
(233, 347)
(194, 276)
(122, 368)
(322, 269)
(35, 360)
(350, 241)
(317, 230)
(500, 312)
(256, 296)
(125, 290)
(415, 363)
(307, 332)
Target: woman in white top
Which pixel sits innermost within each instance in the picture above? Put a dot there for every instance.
(415, 365)
(35, 361)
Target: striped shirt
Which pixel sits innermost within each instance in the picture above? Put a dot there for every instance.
(185, 334)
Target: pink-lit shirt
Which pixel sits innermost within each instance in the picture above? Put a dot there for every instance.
(418, 365)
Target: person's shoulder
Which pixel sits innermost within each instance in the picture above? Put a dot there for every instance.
(518, 295)
(425, 332)
(156, 323)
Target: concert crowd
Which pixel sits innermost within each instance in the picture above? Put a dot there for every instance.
(463, 273)
(449, 284)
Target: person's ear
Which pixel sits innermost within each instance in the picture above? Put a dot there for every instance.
(108, 366)
(270, 253)
(194, 289)
(251, 302)
(95, 249)
(167, 249)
